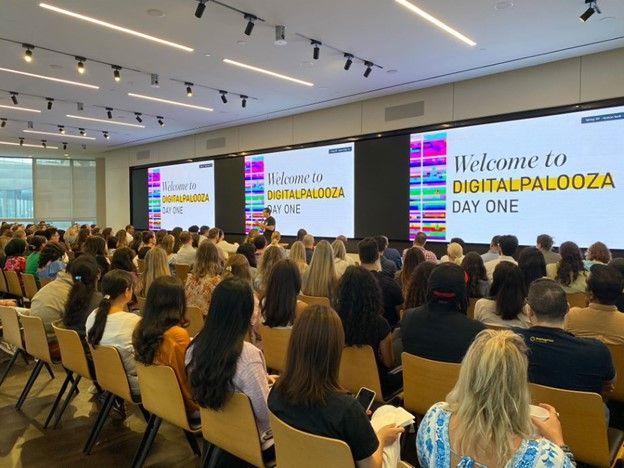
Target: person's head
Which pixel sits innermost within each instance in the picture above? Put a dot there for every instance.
(618, 264)
(413, 257)
(85, 274)
(225, 328)
(604, 284)
(249, 251)
(156, 265)
(547, 302)
(272, 254)
(52, 252)
(213, 235)
(598, 252)
(308, 241)
(117, 292)
(107, 232)
(280, 299)
(260, 243)
(165, 307)
(491, 397)
(94, 245)
(421, 239)
(320, 279)
(368, 251)
(36, 243)
(571, 264)
(475, 269)
(52, 234)
(313, 358)
(301, 233)
(508, 290)
(194, 229)
(204, 230)
(185, 238)
(382, 243)
(447, 286)
(83, 235)
(123, 260)
(532, 265)
(111, 243)
(297, 252)
(238, 267)
(15, 248)
(266, 212)
(148, 238)
(417, 285)
(359, 304)
(130, 229)
(207, 261)
(175, 232)
(544, 242)
(508, 245)
(166, 243)
(455, 252)
(276, 238)
(159, 236)
(253, 233)
(19, 234)
(340, 251)
(343, 239)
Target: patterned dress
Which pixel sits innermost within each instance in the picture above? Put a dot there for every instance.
(434, 446)
(199, 290)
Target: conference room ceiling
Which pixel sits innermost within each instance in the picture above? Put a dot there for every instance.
(413, 53)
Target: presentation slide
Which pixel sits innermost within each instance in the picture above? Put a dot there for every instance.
(181, 195)
(310, 188)
(560, 175)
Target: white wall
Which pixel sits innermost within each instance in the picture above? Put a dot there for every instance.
(580, 79)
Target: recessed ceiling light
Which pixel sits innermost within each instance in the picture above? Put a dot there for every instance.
(433, 20)
(503, 5)
(24, 109)
(56, 134)
(115, 27)
(267, 72)
(156, 12)
(28, 145)
(50, 78)
(167, 101)
(113, 122)
(206, 55)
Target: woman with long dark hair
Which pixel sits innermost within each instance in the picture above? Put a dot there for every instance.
(220, 361)
(570, 271)
(413, 258)
(96, 246)
(83, 297)
(161, 337)
(478, 284)
(111, 325)
(416, 294)
(279, 306)
(532, 265)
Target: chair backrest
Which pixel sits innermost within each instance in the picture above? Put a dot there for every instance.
(110, 372)
(358, 369)
(471, 307)
(303, 450)
(141, 302)
(161, 394)
(11, 330)
(35, 338)
(30, 285)
(182, 271)
(426, 382)
(233, 428)
(3, 284)
(315, 300)
(195, 318)
(577, 299)
(13, 283)
(275, 346)
(73, 354)
(617, 354)
(582, 416)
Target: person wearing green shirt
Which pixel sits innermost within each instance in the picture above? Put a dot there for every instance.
(35, 246)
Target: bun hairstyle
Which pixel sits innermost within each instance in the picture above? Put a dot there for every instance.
(35, 243)
(114, 284)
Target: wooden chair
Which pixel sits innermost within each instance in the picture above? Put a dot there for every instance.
(195, 319)
(162, 398)
(233, 429)
(74, 359)
(471, 307)
(13, 284)
(11, 334)
(30, 286)
(426, 382)
(358, 369)
(4, 288)
(314, 300)
(582, 416)
(36, 344)
(577, 299)
(617, 354)
(275, 346)
(295, 448)
(182, 271)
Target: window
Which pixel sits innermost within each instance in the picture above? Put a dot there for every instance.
(16, 188)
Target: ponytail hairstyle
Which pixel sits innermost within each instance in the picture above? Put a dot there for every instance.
(52, 252)
(84, 272)
(114, 284)
(36, 243)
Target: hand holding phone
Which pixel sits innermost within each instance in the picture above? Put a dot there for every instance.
(366, 397)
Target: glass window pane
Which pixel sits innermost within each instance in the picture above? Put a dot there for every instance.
(53, 189)
(84, 189)
(16, 188)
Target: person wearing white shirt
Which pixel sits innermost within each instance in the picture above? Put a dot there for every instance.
(508, 245)
(186, 253)
(129, 233)
(494, 251)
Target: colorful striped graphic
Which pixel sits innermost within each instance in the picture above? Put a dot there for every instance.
(428, 185)
(153, 198)
(254, 190)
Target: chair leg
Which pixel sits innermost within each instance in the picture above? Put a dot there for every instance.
(72, 390)
(214, 457)
(49, 369)
(145, 413)
(24, 356)
(99, 423)
(9, 367)
(193, 443)
(58, 398)
(31, 380)
(146, 443)
(207, 449)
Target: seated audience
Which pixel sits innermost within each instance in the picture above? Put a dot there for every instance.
(419, 242)
(440, 330)
(601, 318)
(297, 254)
(477, 283)
(391, 295)
(51, 261)
(71, 234)
(276, 238)
(122, 239)
(505, 307)
(161, 338)
(83, 297)
(111, 245)
(508, 245)
(320, 279)
(569, 272)
(301, 233)
(186, 253)
(454, 253)
(15, 251)
(486, 419)
(52, 234)
(417, 287)
(204, 277)
(148, 240)
(111, 325)
(166, 243)
(618, 264)
(340, 257)
(544, 244)
(238, 267)
(249, 251)
(308, 397)
(214, 235)
(558, 358)
(35, 246)
(597, 253)
(253, 233)
(280, 305)
(155, 266)
(260, 243)
(123, 260)
(83, 235)
(96, 247)
(271, 256)
(391, 254)
(532, 265)
(387, 266)
(308, 243)
(413, 258)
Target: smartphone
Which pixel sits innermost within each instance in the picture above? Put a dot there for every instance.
(366, 397)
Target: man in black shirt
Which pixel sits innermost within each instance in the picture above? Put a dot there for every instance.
(558, 358)
(390, 291)
(268, 226)
(440, 329)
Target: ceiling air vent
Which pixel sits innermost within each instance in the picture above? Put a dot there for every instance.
(405, 111)
(215, 143)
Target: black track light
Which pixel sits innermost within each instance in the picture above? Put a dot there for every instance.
(84, 147)
(250, 24)
(244, 100)
(81, 66)
(28, 53)
(61, 129)
(369, 68)
(14, 98)
(64, 146)
(349, 61)
(317, 49)
(82, 131)
(116, 73)
(137, 116)
(224, 96)
(106, 136)
(50, 103)
(109, 112)
(21, 141)
(160, 120)
(201, 6)
(44, 143)
(3, 123)
(30, 125)
(189, 89)
(587, 14)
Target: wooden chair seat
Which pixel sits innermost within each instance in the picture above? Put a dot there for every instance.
(13, 283)
(617, 354)
(4, 288)
(30, 285)
(275, 346)
(11, 334)
(195, 318)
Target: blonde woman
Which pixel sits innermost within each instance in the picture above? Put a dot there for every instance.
(320, 279)
(276, 238)
(340, 257)
(272, 254)
(122, 239)
(167, 243)
(486, 420)
(298, 255)
(155, 266)
(204, 277)
(454, 254)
